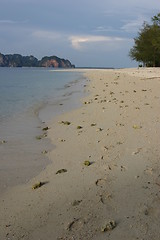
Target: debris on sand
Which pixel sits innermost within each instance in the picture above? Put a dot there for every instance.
(87, 163)
(44, 152)
(39, 137)
(137, 151)
(93, 124)
(76, 203)
(2, 141)
(65, 122)
(37, 185)
(109, 226)
(119, 143)
(137, 126)
(61, 171)
(99, 129)
(87, 102)
(79, 127)
(61, 140)
(45, 128)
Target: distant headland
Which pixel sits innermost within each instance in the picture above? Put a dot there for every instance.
(17, 60)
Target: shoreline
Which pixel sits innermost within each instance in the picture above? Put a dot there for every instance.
(117, 131)
(23, 156)
(68, 100)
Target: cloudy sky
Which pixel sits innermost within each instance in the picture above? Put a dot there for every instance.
(90, 33)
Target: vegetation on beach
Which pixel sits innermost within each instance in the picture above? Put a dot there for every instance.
(137, 126)
(93, 124)
(45, 128)
(146, 49)
(2, 141)
(44, 152)
(79, 127)
(39, 137)
(87, 163)
(37, 185)
(66, 122)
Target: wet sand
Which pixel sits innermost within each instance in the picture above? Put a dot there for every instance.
(116, 132)
(23, 156)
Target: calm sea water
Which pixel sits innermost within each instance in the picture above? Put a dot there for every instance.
(28, 98)
(21, 88)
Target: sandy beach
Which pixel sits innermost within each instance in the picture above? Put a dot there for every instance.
(103, 181)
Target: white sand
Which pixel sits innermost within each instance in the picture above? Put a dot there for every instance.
(121, 184)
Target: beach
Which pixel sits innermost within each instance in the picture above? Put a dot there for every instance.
(103, 179)
(30, 98)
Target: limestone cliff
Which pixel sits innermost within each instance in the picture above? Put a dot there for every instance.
(55, 62)
(17, 60)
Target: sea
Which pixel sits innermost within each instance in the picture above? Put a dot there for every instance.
(30, 98)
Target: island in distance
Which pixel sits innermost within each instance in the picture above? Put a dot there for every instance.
(17, 60)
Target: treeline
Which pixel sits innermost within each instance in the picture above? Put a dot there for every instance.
(17, 60)
(146, 49)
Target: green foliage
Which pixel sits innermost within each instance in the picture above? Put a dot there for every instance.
(147, 45)
(156, 19)
(17, 60)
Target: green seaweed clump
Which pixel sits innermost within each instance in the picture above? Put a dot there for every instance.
(44, 152)
(39, 137)
(37, 185)
(61, 171)
(66, 122)
(79, 127)
(87, 163)
(99, 129)
(76, 203)
(119, 143)
(45, 128)
(2, 141)
(136, 126)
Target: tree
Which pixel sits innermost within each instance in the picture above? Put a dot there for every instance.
(147, 45)
(156, 19)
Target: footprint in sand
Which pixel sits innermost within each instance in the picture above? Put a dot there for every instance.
(105, 197)
(76, 224)
(154, 210)
(101, 182)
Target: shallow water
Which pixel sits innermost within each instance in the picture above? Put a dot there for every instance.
(21, 88)
(30, 97)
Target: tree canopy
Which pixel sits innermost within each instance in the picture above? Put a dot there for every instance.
(146, 47)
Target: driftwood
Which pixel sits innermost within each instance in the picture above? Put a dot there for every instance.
(150, 78)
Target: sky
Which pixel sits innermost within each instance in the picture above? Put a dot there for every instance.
(90, 33)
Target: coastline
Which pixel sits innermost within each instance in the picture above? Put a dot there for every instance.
(23, 156)
(68, 100)
(117, 131)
